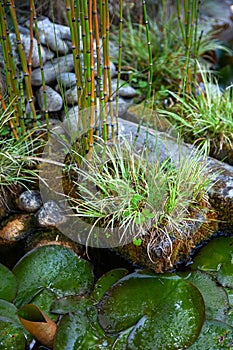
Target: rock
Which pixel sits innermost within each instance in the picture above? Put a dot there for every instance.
(125, 90)
(26, 42)
(67, 79)
(52, 70)
(54, 99)
(123, 105)
(72, 113)
(50, 215)
(49, 53)
(71, 96)
(30, 201)
(53, 35)
(17, 227)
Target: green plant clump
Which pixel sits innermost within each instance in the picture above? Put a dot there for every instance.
(120, 189)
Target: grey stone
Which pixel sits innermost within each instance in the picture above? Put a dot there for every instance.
(53, 35)
(53, 69)
(67, 79)
(125, 90)
(50, 215)
(71, 96)
(53, 98)
(30, 201)
(26, 42)
(49, 53)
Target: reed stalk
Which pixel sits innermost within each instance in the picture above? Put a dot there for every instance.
(119, 63)
(29, 94)
(189, 31)
(149, 48)
(33, 19)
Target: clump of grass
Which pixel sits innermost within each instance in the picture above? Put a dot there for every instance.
(177, 44)
(204, 117)
(16, 165)
(150, 202)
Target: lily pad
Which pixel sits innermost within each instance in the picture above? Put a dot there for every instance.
(75, 332)
(106, 281)
(55, 268)
(11, 336)
(121, 341)
(215, 297)
(215, 254)
(8, 285)
(225, 275)
(72, 303)
(9, 310)
(44, 301)
(215, 335)
(163, 310)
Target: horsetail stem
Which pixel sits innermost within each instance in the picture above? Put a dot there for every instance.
(22, 57)
(119, 63)
(34, 19)
(149, 48)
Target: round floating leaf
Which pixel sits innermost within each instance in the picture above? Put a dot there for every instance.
(11, 336)
(71, 304)
(51, 267)
(106, 281)
(9, 310)
(121, 342)
(215, 297)
(163, 309)
(215, 254)
(215, 335)
(8, 285)
(75, 332)
(44, 301)
(225, 275)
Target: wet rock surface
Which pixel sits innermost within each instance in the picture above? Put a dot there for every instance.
(30, 201)
(50, 215)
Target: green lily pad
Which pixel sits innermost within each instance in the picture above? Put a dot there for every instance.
(8, 285)
(121, 341)
(55, 268)
(106, 281)
(215, 335)
(215, 297)
(44, 301)
(72, 303)
(225, 275)
(75, 332)
(215, 254)
(9, 310)
(164, 309)
(11, 336)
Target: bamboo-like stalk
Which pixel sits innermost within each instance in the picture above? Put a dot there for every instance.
(109, 73)
(101, 111)
(29, 94)
(189, 32)
(34, 20)
(105, 128)
(73, 15)
(10, 72)
(119, 64)
(92, 63)
(149, 48)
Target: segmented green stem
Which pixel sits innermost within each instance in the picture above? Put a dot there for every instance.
(22, 57)
(119, 61)
(150, 77)
(34, 20)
